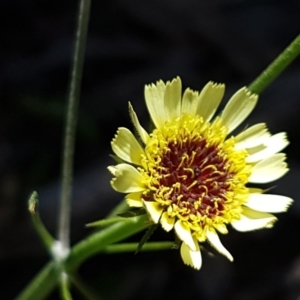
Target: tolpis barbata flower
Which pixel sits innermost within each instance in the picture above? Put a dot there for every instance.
(191, 174)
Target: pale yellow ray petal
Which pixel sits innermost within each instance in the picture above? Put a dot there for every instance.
(238, 108)
(127, 179)
(125, 145)
(253, 220)
(154, 96)
(184, 233)
(189, 102)
(191, 258)
(269, 169)
(154, 209)
(252, 136)
(139, 129)
(273, 145)
(167, 222)
(268, 203)
(134, 199)
(214, 240)
(209, 100)
(256, 149)
(172, 99)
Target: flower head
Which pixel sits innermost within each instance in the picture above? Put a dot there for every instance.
(191, 174)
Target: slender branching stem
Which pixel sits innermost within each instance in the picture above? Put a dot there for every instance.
(44, 282)
(70, 130)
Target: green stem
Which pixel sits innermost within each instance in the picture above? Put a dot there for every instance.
(65, 287)
(45, 281)
(109, 235)
(72, 111)
(131, 247)
(41, 285)
(276, 67)
(106, 222)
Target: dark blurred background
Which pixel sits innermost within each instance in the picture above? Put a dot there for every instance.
(131, 43)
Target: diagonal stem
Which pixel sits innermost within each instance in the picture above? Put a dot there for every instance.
(276, 67)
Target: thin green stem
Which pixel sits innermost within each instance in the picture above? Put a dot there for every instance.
(131, 247)
(65, 287)
(41, 285)
(40, 228)
(72, 111)
(276, 67)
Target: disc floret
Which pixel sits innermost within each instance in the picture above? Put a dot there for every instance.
(195, 174)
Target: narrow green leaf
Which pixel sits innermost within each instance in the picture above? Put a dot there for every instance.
(133, 213)
(105, 222)
(146, 237)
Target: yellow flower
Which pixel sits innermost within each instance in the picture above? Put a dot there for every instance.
(191, 174)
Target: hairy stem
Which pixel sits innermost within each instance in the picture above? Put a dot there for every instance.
(276, 67)
(71, 122)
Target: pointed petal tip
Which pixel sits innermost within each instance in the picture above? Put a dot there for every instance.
(216, 85)
(127, 178)
(214, 240)
(253, 220)
(141, 132)
(268, 202)
(177, 78)
(248, 93)
(238, 108)
(191, 258)
(271, 223)
(112, 170)
(269, 169)
(125, 146)
(209, 100)
(167, 222)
